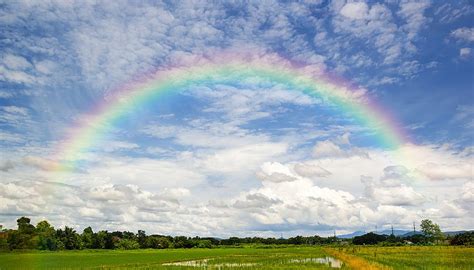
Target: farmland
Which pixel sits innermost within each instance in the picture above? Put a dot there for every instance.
(255, 257)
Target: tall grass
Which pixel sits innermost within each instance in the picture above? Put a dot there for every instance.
(409, 257)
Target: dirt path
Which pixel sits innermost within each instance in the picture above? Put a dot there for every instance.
(355, 262)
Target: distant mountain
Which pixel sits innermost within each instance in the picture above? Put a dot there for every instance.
(351, 235)
(455, 233)
(402, 233)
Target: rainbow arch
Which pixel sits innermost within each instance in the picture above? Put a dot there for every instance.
(223, 68)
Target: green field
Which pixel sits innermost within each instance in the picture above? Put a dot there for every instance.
(248, 258)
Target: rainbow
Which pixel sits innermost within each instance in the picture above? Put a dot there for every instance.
(225, 67)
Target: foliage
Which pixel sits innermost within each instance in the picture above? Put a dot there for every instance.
(431, 230)
(127, 244)
(466, 239)
(45, 237)
(369, 239)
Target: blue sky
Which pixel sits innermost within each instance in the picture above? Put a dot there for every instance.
(241, 158)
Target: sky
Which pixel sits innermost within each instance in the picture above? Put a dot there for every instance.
(237, 157)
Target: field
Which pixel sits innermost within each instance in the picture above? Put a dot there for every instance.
(248, 258)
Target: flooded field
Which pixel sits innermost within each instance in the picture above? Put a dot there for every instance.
(259, 257)
(214, 263)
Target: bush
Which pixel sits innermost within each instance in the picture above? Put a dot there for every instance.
(127, 244)
(369, 239)
(466, 239)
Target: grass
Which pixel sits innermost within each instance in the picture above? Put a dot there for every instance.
(288, 257)
(219, 258)
(408, 257)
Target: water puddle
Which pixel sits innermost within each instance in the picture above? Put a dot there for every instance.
(330, 261)
(208, 263)
(205, 263)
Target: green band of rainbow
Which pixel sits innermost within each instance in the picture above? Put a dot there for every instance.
(222, 68)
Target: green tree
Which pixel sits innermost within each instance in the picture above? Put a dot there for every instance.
(127, 244)
(431, 230)
(69, 238)
(46, 236)
(3, 238)
(466, 238)
(87, 238)
(24, 226)
(159, 242)
(141, 236)
(24, 237)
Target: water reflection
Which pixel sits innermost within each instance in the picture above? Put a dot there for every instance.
(332, 262)
(208, 263)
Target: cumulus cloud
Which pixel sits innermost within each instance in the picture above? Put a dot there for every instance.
(311, 170)
(236, 145)
(390, 194)
(275, 172)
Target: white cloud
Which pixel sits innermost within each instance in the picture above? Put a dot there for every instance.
(413, 13)
(275, 172)
(16, 62)
(436, 171)
(399, 195)
(311, 170)
(328, 149)
(464, 52)
(355, 10)
(243, 158)
(464, 34)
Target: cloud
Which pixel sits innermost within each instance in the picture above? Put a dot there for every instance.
(465, 52)
(275, 172)
(436, 171)
(243, 158)
(328, 149)
(311, 170)
(250, 140)
(7, 165)
(451, 12)
(16, 118)
(413, 13)
(16, 62)
(463, 34)
(255, 200)
(355, 10)
(391, 194)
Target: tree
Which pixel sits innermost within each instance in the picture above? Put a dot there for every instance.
(466, 238)
(141, 236)
(3, 238)
(46, 236)
(369, 239)
(127, 244)
(431, 230)
(87, 238)
(24, 237)
(24, 226)
(69, 238)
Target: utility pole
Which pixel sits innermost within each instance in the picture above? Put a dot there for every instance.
(414, 230)
(392, 229)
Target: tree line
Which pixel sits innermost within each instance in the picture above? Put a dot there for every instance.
(44, 236)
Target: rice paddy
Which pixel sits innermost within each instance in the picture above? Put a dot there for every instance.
(435, 257)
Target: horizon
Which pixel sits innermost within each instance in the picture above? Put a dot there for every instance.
(232, 119)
